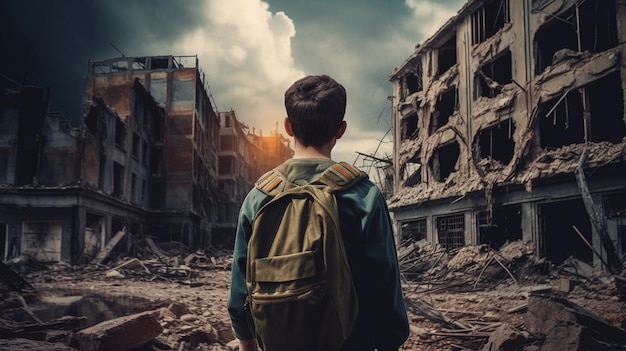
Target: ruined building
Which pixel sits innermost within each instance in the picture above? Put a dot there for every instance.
(510, 125)
(243, 157)
(144, 160)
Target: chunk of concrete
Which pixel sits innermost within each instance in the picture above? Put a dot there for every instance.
(504, 338)
(568, 326)
(119, 334)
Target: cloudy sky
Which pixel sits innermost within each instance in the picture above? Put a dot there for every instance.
(250, 50)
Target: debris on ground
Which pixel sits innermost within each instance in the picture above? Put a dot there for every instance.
(470, 298)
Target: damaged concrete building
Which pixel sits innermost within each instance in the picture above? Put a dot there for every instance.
(510, 125)
(143, 161)
(243, 157)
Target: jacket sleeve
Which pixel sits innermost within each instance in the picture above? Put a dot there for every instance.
(240, 317)
(380, 249)
(383, 319)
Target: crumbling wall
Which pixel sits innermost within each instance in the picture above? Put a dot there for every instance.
(515, 104)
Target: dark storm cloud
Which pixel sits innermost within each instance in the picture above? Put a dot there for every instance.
(49, 43)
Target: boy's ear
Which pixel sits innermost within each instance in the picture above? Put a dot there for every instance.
(288, 127)
(341, 130)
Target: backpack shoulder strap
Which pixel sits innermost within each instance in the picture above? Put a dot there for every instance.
(341, 176)
(272, 183)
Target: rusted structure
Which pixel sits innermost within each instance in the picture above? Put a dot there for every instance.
(493, 115)
(243, 157)
(144, 160)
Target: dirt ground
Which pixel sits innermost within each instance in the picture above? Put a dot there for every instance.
(440, 319)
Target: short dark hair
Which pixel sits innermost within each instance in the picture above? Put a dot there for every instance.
(315, 107)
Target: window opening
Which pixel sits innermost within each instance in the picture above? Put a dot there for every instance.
(497, 142)
(446, 104)
(412, 172)
(560, 240)
(413, 230)
(120, 134)
(587, 26)
(489, 19)
(444, 160)
(446, 56)
(493, 75)
(500, 225)
(136, 146)
(118, 179)
(409, 126)
(451, 231)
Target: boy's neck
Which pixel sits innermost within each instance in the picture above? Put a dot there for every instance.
(324, 151)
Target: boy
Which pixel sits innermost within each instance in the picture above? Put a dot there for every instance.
(315, 109)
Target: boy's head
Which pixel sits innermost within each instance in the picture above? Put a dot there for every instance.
(315, 109)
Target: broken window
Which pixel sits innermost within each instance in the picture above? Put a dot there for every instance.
(159, 62)
(409, 126)
(227, 142)
(412, 82)
(489, 19)
(139, 63)
(503, 224)
(497, 143)
(587, 26)
(225, 165)
(120, 134)
(144, 153)
(136, 146)
(446, 104)
(156, 161)
(446, 56)
(412, 172)
(559, 223)
(606, 105)
(118, 179)
(444, 160)
(119, 66)
(413, 230)
(614, 205)
(563, 121)
(493, 75)
(451, 231)
(102, 170)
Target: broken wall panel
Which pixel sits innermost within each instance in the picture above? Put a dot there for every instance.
(528, 104)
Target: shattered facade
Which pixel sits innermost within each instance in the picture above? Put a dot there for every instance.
(143, 161)
(243, 157)
(510, 125)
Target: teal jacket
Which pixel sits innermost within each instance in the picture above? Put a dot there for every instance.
(368, 239)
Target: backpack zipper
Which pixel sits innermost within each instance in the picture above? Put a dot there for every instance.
(287, 296)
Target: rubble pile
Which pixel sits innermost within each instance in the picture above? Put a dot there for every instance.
(178, 301)
(477, 298)
(160, 296)
(470, 267)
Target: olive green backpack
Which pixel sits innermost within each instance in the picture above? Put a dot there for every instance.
(300, 289)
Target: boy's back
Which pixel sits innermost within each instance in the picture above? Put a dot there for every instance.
(315, 107)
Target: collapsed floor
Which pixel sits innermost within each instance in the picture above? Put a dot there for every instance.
(162, 297)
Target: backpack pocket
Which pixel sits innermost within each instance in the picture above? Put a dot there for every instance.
(289, 301)
(280, 269)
